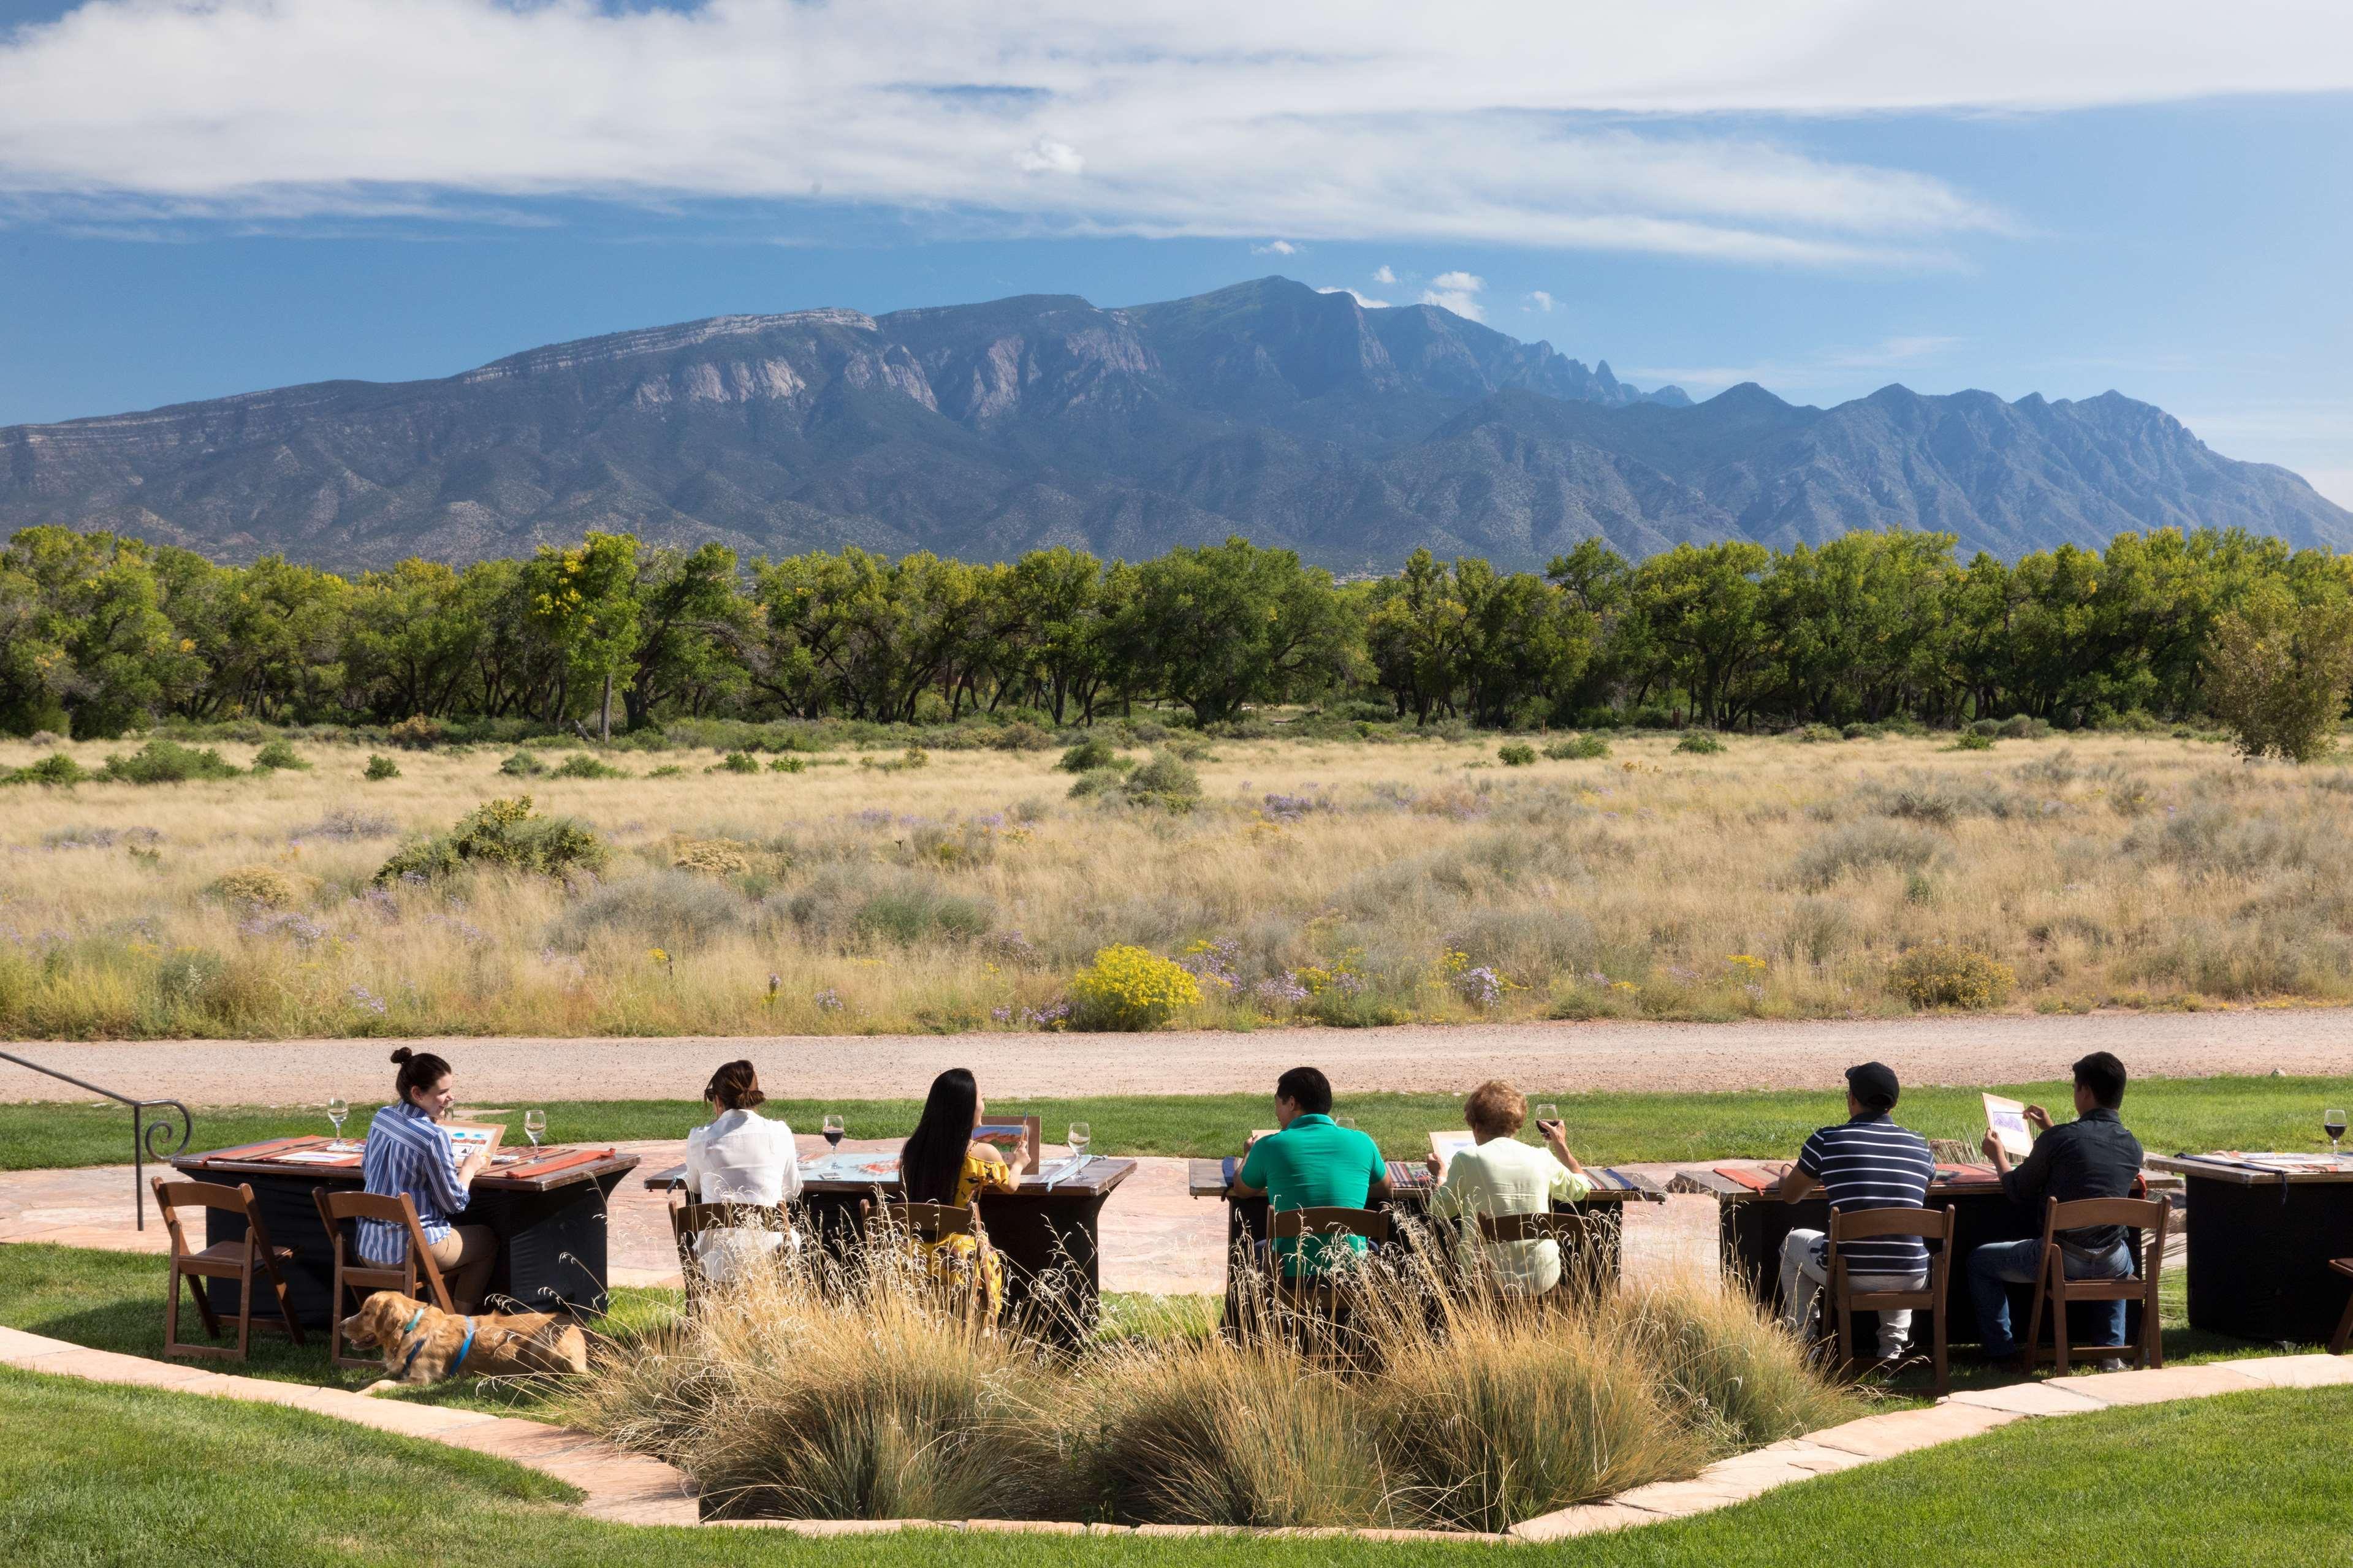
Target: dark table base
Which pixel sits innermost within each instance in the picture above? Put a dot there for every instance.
(2259, 1258)
(551, 1244)
(1049, 1244)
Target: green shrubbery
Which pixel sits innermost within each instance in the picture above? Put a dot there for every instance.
(1515, 754)
(1943, 975)
(1699, 743)
(379, 768)
(501, 835)
(168, 761)
(278, 754)
(1091, 756)
(522, 766)
(1577, 748)
(56, 769)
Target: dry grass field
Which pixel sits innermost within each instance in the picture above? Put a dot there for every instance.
(1349, 883)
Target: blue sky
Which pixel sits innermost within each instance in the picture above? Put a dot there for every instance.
(1823, 195)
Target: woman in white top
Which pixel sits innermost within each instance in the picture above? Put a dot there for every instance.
(1505, 1177)
(741, 1157)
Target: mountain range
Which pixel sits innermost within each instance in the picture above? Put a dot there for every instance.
(1295, 417)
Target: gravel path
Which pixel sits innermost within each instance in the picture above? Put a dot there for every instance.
(1567, 1056)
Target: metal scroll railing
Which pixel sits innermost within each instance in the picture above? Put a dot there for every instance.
(146, 1136)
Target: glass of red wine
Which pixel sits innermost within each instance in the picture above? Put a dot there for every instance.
(833, 1131)
(2332, 1121)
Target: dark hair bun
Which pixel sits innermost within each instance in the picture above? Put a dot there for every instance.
(400, 1053)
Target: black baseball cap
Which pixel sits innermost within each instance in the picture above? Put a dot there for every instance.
(1873, 1086)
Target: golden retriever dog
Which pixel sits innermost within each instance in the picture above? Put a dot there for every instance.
(423, 1344)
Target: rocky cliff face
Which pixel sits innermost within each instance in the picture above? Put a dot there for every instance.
(1268, 409)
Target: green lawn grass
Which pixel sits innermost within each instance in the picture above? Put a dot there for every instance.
(95, 1474)
(2169, 1115)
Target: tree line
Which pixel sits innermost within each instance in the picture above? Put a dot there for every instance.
(99, 633)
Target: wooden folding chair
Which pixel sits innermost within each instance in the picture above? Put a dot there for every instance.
(689, 1221)
(363, 1279)
(239, 1260)
(2344, 1334)
(1933, 1228)
(1322, 1291)
(1574, 1234)
(2051, 1284)
(928, 1225)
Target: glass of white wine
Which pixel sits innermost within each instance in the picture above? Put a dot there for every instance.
(1080, 1136)
(535, 1126)
(338, 1108)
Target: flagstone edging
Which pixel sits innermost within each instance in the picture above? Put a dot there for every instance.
(623, 1488)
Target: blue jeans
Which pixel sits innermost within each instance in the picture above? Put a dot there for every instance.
(1998, 1265)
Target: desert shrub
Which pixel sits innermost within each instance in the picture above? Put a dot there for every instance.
(917, 911)
(168, 761)
(1525, 944)
(582, 765)
(2054, 771)
(260, 887)
(501, 835)
(1022, 736)
(278, 754)
(1926, 797)
(1941, 974)
(348, 822)
(715, 857)
(2215, 840)
(787, 766)
(1095, 781)
(1816, 734)
(1988, 728)
(1699, 743)
(1577, 748)
(1971, 740)
(1862, 847)
(1858, 733)
(676, 910)
(1090, 755)
(1817, 931)
(1165, 782)
(1515, 754)
(666, 770)
(415, 734)
(738, 763)
(185, 974)
(380, 768)
(2023, 726)
(55, 770)
(1128, 987)
(522, 766)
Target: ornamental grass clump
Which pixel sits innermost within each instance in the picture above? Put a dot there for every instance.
(1130, 988)
(501, 835)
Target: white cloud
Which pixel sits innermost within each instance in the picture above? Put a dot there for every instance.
(1382, 274)
(1457, 292)
(1277, 248)
(1540, 302)
(977, 116)
(1366, 300)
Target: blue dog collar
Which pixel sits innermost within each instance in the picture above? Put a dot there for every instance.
(463, 1349)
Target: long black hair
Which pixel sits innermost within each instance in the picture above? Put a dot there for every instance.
(933, 1156)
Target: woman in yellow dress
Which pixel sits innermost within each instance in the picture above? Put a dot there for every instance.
(942, 1164)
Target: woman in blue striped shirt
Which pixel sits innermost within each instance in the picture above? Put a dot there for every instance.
(409, 1152)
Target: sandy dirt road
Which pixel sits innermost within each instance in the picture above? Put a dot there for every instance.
(1561, 1057)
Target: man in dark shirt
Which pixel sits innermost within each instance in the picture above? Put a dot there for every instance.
(2091, 1157)
(1867, 1161)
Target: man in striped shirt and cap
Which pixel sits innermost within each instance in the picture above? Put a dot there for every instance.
(1867, 1161)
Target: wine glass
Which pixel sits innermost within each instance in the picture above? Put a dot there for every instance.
(535, 1126)
(2332, 1121)
(338, 1107)
(1547, 1114)
(1080, 1136)
(833, 1132)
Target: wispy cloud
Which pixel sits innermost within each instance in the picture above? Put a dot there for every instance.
(1825, 368)
(1275, 247)
(1505, 124)
(1382, 274)
(1539, 301)
(1366, 300)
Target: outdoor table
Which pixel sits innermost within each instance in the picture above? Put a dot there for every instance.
(1752, 1223)
(546, 1206)
(2261, 1230)
(1410, 1186)
(1050, 1223)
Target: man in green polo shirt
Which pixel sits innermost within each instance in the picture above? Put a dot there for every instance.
(1312, 1163)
